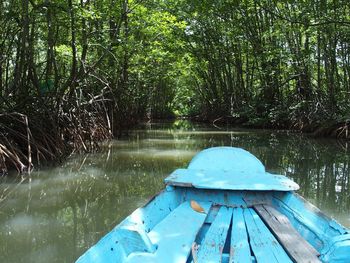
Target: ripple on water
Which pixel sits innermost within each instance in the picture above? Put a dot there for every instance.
(160, 154)
(64, 177)
(169, 141)
(196, 132)
(44, 254)
(21, 223)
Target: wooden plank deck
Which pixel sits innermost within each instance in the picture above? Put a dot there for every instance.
(239, 248)
(212, 246)
(296, 246)
(263, 244)
(232, 235)
(266, 236)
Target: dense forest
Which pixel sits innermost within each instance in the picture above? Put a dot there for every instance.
(76, 72)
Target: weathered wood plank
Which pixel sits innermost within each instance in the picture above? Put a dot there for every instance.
(316, 228)
(212, 246)
(240, 249)
(296, 246)
(174, 235)
(264, 245)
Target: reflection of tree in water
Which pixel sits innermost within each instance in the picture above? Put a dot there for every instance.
(320, 167)
(72, 207)
(92, 201)
(77, 209)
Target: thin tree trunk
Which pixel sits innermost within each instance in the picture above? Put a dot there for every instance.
(84, 30)
(73, 73)
(50, 43)
(21, 68)
(125, 74)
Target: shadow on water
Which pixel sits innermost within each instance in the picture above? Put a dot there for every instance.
(60, 212)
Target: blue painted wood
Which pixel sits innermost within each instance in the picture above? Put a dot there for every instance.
(211, 215)
(225, 258)
(240, 248)
(213, 212)
(212, 246)
(163, 230)
(155, 210)
(118, 244)
(107, 250)
(294, 244)
(230, 180)
(229, 168)
(227, 159)
(174, 235)
(264, 245)
(317, 228)
(338, 250)
(227, 198)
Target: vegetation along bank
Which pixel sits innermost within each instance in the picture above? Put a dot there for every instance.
(76, 72)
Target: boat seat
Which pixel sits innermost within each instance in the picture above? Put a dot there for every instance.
(174, 235)
(296, 246)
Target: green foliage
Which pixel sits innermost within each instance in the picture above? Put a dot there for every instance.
(287, 61)
(261, 62)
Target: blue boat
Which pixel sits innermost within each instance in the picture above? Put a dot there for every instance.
(225, 208)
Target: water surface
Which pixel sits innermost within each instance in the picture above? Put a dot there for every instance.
(59, 212)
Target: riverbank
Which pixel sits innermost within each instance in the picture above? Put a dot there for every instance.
(27, 141)
(330, 128)
(31, 143)
(31, 140)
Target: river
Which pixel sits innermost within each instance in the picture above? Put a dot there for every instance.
(58, 212)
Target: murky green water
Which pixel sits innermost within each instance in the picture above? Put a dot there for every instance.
(62, 211)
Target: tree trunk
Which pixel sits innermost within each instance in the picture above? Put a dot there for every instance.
(21, 68)
(50, 57)
(125, 74)
(84, 30)
(73, 74)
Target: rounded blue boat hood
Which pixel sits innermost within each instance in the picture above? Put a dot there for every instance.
(229, 168)
(227, 159)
